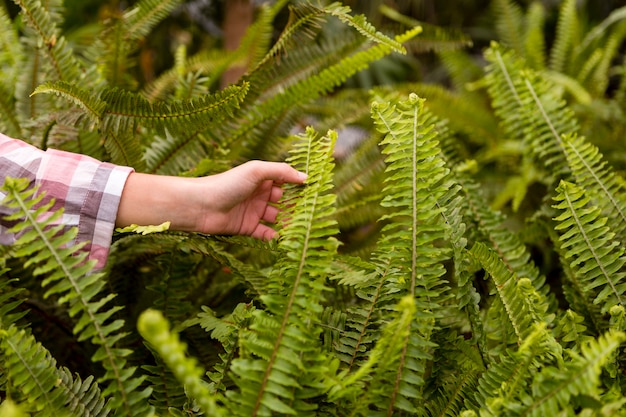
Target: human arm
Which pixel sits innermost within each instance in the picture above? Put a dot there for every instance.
(86, 189)
(239, 201)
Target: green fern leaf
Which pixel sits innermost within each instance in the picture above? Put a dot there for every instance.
(125, 109)
(31, 371)
(282, 364)
(84, 396)
(504, 385)
(43, 22)
(599, 180)
(589, 246)
(154, 327)
(145, 15)
(566, 33)
(530, 111)
(523, 305)
(91, 105)
(415, 183)
(66, 274)
(554, 387)
(509, 24)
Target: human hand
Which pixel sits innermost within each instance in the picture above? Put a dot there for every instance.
(242, 200)
(239, 201)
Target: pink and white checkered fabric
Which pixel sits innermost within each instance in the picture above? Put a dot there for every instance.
(89, 191)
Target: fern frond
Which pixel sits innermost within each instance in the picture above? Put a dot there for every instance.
(311, 87)
(226, 330)
(505, 383)
(60, 55)
(282, 364)
(534, 37)
(570, 330)
(68, 276)
(523, 305)
(32, 371)
(91, 105)
(566, 35)
(256, 41)
(416, 180)
(125, 108)
(155, 329)
(84, 396)
(589, 246)
(9, 300)
(599, 180)
(145, 15)
(365, 28)
(509, 24)
(555, 387)
(362, 384)
(530, 110)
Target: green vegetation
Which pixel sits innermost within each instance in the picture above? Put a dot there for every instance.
(464, 257)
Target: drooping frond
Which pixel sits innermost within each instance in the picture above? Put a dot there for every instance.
(365, 28)
(433, 39)
(67, 275)
(310, 88)
(589, 246)
(282, 363)
(124, 109)
(154, 327)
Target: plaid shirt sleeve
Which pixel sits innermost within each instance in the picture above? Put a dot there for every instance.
(88, 190)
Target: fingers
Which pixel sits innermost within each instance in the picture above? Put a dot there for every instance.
(264, 232)
(279, 172)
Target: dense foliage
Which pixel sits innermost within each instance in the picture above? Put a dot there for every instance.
(457, 249)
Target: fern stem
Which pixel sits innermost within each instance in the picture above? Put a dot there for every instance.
(292, 298)
(508, 78)
(544, 113)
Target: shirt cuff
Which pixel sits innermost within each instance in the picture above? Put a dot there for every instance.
(89, 191)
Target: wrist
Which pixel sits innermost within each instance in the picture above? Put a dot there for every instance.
(154, 199)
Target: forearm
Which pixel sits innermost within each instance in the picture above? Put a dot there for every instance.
(155, 199)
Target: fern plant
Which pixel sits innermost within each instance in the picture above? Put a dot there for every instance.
(396, 286)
